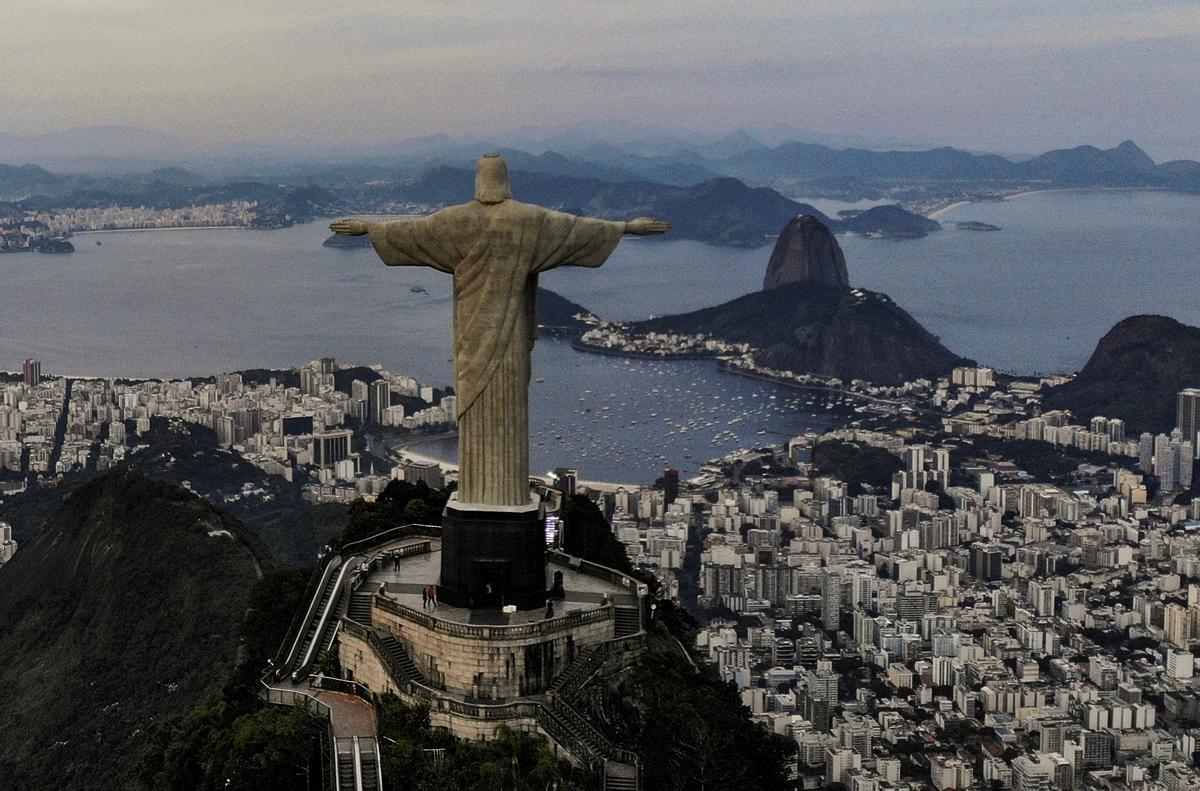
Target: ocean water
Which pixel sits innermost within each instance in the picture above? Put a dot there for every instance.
(1035, 296)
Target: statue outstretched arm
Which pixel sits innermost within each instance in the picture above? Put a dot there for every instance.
(408, 242)
(646, 226)
(350, 228)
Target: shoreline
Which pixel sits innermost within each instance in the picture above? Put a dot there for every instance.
(936, 213)
(172, 228)
(587, 348)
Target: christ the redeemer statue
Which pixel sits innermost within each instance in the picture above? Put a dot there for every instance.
(495, 247)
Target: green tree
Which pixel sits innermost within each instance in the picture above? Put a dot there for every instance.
(587, 534)
(400, 503)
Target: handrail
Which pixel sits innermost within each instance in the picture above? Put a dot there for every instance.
(294, 697)
(333, 563)
(382, 537)
(515, 632)
(575, 676)
(596, 570)
(419, 548)
(314, 578)
(330, 607)
(358, 783)
(341, 685)
(316, 708)
(378, 766)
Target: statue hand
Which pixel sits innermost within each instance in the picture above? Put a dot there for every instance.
(646, 226)
(349, 228)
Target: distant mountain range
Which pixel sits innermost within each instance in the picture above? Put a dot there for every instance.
(795, 165)
(722, 192)
(1135, 373)
(720, 211)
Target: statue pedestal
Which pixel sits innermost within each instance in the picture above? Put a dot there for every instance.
(493, 555)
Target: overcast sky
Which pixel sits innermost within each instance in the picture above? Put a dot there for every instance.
(1017, 76)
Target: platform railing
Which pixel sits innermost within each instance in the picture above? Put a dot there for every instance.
(516, 632)
(294, 697)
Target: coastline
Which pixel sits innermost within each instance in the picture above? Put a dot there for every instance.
(937, 213)
(580, 346)
(172, 228)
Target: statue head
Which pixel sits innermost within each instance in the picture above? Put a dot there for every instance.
(491, 180)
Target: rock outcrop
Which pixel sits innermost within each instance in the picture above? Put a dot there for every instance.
(807, 252)
(822, 329)
(1135, 373)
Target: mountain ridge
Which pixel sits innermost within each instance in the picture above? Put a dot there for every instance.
(108, 626)
(820, 329)
(1135, 373)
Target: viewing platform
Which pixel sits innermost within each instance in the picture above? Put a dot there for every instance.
(474, 669)
(486, 654)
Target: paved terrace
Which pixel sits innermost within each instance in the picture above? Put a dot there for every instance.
(404, 580)
(349, 715)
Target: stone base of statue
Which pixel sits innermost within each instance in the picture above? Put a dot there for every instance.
(493, 555)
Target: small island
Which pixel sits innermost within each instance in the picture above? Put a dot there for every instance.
(53, 246)
(974, 225)
(26, 244)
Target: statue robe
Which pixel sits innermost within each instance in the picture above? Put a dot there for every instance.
(495, 252)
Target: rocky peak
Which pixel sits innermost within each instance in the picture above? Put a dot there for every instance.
(807, 252)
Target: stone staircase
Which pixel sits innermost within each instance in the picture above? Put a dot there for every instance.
(620, 777)
(571, 679)
(618, 768)
(628, 621)
(360, 608)
(401, 663)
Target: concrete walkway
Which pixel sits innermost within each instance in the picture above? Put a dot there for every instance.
(349, 715)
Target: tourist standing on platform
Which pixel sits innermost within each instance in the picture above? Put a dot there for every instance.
(433, 595)
(425, 598)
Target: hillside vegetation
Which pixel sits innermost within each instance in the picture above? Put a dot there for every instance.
(122, 610)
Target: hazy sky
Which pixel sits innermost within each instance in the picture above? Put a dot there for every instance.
(1012, 76)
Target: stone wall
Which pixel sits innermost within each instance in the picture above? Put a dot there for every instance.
(364, 666)
(360, 663)
(494, 667)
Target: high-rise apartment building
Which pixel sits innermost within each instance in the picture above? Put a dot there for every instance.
(430, 472)
(330, 447)
(32, 371)
(379, 398)
(1187, 415)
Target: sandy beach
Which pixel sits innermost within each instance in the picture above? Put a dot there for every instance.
(933, 215)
